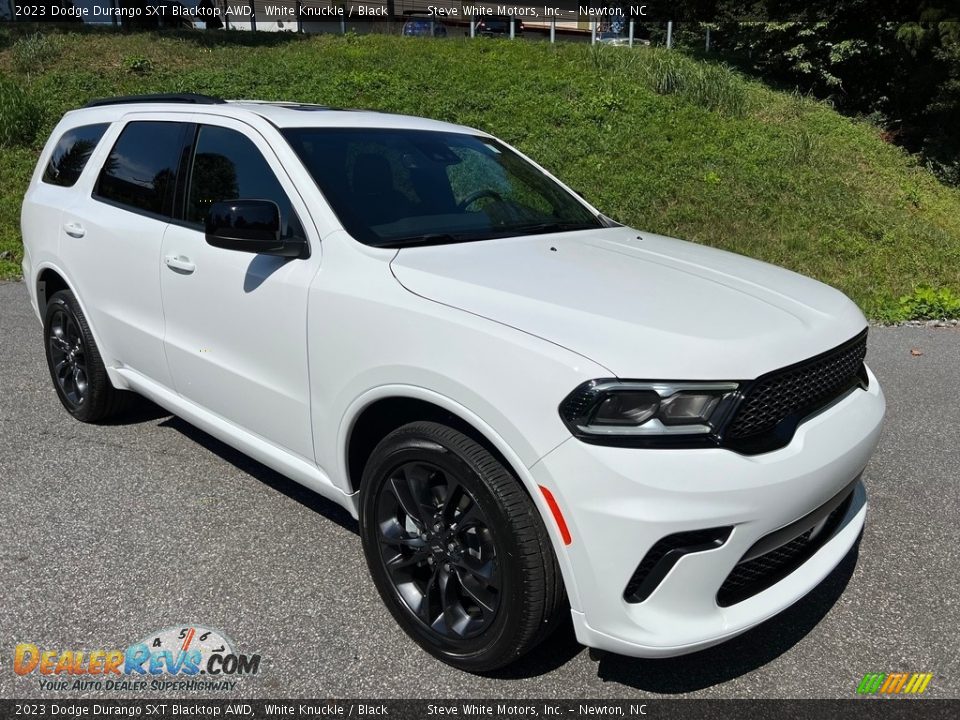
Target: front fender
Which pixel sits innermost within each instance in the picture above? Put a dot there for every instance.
(495, 438)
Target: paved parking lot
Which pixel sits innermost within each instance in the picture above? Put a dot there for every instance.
(115, 531)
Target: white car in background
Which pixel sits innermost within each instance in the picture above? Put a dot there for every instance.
(532, 410)
(614, 39)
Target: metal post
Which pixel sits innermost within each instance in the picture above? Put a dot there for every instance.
(593, 32)
(669, 34)
(631, 32)
(513, 28)
(253, 17)
(707, 47)
(473, 26)
(113, 16)
(299, 19)
(553, 28)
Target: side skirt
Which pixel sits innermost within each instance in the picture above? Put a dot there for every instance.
(276, 458)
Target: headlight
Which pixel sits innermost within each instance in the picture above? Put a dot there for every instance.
(647, 413)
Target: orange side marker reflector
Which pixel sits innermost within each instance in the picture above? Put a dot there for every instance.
(557, 515)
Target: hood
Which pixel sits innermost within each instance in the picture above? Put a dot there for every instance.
(644, 306)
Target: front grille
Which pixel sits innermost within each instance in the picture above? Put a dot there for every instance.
(754, 576)
(796, 391)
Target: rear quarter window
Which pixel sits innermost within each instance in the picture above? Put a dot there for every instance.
(71, 153)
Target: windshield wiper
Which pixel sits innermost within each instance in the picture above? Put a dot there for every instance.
(426, 239)
(447, 238)
(550, 227)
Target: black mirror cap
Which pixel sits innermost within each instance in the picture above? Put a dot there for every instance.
(250, 226)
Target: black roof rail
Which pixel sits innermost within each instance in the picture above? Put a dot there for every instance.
(190, 98)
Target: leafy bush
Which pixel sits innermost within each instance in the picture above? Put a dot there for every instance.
(139, 65)
(33, 53)
(905, 76)
(927, 303)
(20, 116)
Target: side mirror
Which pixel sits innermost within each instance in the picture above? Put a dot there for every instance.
(250, 226)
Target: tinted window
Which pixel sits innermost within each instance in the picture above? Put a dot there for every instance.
(228, 166)
(141, 170)
(409, 186)
(71, 154)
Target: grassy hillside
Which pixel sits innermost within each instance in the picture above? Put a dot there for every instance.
(655, 139)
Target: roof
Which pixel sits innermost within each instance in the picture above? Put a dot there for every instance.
(280, 114)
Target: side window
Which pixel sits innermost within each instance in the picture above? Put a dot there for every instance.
(228, 166)
(141, 170)
(71, 154)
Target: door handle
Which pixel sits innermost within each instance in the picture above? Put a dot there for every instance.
(180, 263)
(74, 229)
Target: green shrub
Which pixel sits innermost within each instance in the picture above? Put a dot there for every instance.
(20, 116)
(927, 303)
(139, 65)
(33, 53)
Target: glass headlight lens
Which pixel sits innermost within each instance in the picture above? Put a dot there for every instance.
(627, 408)
(615, 408)
(688, 407)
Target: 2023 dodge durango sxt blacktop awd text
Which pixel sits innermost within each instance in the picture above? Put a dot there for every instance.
(531, 409)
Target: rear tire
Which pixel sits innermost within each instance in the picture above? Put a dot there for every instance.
(76, 368)
(457, 549)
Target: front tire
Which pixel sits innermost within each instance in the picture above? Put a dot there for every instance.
(457, 549)
(76, 368)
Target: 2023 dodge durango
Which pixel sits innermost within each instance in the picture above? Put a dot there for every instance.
(530, 409)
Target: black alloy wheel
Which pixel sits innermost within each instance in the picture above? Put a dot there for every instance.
(436, 545)
(76, 367)
(457, 549)
(68, 357)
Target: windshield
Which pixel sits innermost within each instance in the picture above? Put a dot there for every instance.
(392, 188)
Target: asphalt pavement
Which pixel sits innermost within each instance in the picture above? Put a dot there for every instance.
(113, 531)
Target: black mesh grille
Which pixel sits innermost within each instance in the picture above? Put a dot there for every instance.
(756, 575)
(798, 390)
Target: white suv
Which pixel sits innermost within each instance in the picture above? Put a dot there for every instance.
(530, 408)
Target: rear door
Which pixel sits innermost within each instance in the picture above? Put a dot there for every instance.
(236, 322)
(112, 239)
(54, 187)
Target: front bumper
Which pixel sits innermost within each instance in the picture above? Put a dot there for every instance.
(618, 502)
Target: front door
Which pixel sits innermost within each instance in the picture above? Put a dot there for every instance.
(236, 322)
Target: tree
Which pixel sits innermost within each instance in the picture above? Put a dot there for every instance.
(894, 60)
